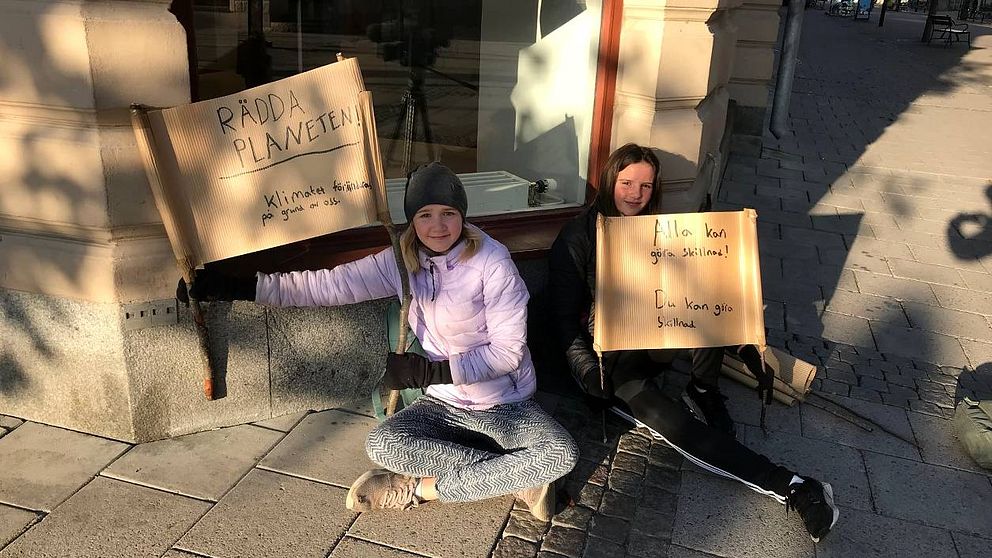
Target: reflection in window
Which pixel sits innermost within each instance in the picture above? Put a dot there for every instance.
(502, 87)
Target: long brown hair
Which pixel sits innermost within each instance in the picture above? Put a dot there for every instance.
(620, 159)
(410, 245)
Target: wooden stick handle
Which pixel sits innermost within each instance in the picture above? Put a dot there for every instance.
(202, 336)
(377, 176)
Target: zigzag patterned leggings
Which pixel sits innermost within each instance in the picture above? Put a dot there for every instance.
(474, 454)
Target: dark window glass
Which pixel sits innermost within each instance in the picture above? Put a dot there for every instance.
(500, 91)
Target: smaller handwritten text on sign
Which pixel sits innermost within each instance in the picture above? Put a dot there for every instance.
(678, 281)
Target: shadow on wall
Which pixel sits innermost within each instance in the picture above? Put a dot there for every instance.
(25, 342)
(13, 381)
(49, 181)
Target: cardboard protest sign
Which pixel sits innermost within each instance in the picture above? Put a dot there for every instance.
(793, 376)
(264, 167)
(678, 281)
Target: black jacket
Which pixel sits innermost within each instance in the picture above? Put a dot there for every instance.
(571, 284)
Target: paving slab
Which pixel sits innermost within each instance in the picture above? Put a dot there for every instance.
(963, 299)
(976, 280)
(110, 518)
(812, 237)
(13, 521)
(350, 547)
(849, 330)
(841, 466)
(868, 306)
(923, 345)
(566, 541)
(785, 250)
(863, 534)
(939, 443)
(899, 289)
(283, 423)
(44, 465)
(328, 446)
(522, 525)
(944, 256)
(922, 240)
(272, 515)
(930, 494)
(512, 547)
(822, 425)
(979, 353)
(948, 322)
(970, 546)
(435, 529)
(675, 551)
(774, 314)
(10, 423)
(788, 290)
(830, 277)
(745, 409)
(719, 516)
(204, 465)
(644, 545)
(858, 261)
(359, 406)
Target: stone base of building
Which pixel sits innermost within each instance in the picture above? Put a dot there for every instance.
(78, 365)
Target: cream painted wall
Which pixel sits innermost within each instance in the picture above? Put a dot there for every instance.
(675, 61)
(758, 22)
(75, 195)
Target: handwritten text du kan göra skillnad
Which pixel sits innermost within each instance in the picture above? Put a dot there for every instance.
(670, 230)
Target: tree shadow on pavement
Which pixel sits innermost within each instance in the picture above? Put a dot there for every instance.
(970, 234)
(853, 199)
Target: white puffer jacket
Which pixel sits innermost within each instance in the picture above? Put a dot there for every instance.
(472, 313)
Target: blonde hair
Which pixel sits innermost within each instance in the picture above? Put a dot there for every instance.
(410, 245)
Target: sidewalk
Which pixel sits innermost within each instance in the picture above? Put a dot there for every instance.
(875, 265)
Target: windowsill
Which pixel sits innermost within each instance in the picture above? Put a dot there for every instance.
(528, 235)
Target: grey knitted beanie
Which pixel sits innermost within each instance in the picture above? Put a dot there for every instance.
(430, 184)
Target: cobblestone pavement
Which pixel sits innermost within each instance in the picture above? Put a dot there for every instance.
(875, 230)
(876, 238)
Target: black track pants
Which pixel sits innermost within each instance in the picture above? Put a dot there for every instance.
(632, 373)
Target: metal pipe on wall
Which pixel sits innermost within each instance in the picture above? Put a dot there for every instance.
(787, 68)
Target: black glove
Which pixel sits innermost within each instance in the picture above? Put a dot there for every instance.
(411, 370)
(212, 286)
(593, 386)
(766, 377)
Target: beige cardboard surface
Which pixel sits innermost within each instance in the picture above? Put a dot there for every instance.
(266, 166)
(793, 376)
(678, 281)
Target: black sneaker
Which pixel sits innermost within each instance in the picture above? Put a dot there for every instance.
(708, 406)
(815, 503)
